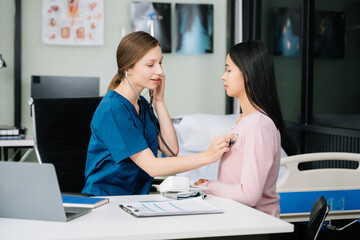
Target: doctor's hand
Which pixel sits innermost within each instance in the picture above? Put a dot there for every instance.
(219, 145)
(160, 89)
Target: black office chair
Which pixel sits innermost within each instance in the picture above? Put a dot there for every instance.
(61, 136)
(318, 214)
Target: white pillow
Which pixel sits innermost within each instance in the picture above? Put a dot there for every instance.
(197, 130)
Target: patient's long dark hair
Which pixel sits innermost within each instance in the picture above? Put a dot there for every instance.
(256, 64)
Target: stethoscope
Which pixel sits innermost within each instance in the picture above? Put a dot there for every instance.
(149, 108)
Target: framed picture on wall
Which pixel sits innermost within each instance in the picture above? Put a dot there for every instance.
(286, 37)
(329, 34)
(194, 28)
(155, 19)
(73, 22)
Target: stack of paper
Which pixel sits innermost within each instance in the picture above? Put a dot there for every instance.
(173, 207)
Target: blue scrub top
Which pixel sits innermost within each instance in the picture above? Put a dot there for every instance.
(117, 134)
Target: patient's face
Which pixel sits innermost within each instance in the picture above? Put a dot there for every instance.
(233, 79)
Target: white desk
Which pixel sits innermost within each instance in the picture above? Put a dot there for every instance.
(111, 222)
(17, 144)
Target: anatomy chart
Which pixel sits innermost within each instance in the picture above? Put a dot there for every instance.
(73, 22)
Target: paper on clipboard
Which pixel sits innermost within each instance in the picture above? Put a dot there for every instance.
(173, 207)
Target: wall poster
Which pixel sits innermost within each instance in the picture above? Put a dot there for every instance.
(73, 22)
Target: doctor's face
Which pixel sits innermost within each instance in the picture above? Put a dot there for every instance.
(147, 72)
(233, 79)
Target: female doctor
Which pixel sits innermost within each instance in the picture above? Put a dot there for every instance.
(121, 158)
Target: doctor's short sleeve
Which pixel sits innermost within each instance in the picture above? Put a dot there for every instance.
(118, 130)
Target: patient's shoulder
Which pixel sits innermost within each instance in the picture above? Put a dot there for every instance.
(256, 120)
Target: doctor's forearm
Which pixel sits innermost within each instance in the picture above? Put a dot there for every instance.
(146, 160)
(167, 166)
(173, 165)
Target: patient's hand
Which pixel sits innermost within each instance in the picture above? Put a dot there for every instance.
(200, 182)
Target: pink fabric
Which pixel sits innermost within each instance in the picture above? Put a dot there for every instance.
(248, 172)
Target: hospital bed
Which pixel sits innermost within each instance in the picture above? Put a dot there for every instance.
(299, 189)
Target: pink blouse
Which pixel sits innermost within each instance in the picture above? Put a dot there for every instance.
(248, 172)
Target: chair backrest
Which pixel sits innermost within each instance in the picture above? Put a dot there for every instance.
(61, 136)
(318, 214)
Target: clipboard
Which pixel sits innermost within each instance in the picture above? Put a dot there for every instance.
(170, 207)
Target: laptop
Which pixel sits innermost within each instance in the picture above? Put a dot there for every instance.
(31, 191)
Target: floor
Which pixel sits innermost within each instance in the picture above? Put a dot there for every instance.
(350, 233)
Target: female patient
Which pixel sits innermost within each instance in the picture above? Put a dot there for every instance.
(248, 172)
(122, 152)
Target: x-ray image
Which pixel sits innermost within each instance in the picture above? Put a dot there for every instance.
(155, 19)
(329, 34)
(287, 32)
(195, 31)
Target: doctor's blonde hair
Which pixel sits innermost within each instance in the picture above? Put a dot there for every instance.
(130, 50)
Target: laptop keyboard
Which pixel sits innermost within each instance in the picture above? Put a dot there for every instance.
(69, 214)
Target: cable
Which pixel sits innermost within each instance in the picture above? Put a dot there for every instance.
(162, 139)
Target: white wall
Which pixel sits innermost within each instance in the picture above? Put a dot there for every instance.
(193, 82)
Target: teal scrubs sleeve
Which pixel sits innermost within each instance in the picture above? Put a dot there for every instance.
(118, 132)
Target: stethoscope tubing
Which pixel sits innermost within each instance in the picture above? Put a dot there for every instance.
(149, 109)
